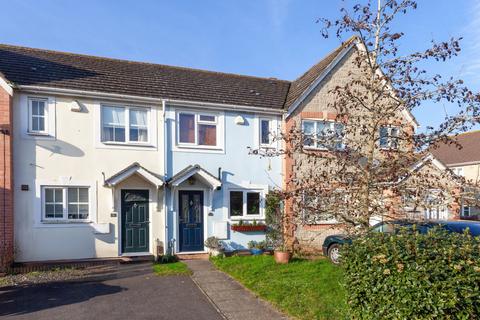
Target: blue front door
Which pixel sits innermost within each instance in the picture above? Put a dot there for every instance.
(190, 214)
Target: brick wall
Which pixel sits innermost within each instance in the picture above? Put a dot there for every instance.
(6, 182)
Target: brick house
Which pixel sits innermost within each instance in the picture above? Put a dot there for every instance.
(308, 105)
(6, 176)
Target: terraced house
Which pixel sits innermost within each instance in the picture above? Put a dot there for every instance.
(108, 158)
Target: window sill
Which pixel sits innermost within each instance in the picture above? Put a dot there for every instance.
(127, 144)
(64, 224)
(196, 148)
(39, 133)
(247, 218)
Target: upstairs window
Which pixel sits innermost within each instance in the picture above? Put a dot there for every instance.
(125, 125)
(458, 171)
(37, 119)
(65, 204)
(323, 135)
(265, 132)
(245, 203)
(113, 124)
(197, 129)
(389, 137)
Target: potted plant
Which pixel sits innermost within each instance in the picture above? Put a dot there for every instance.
(214, 246)
(243, 226)
(275, 232)
(281, 255)
(255, 247)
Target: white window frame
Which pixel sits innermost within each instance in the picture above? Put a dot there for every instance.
(390, 137)
(127, 109)
(458, 171)
(65, 202)
(271, 132)
(332, 128)
(197, 114)
(463, 211)
(43, 132)
(244, 215)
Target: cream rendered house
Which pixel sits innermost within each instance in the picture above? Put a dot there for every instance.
(464, 160)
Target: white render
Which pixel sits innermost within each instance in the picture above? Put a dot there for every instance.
(73, 155)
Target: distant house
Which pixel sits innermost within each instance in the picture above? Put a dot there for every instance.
(463, 158)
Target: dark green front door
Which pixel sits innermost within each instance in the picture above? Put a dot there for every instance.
(135, 221)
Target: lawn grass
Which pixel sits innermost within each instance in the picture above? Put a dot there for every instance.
(306, 289)
(171, 269)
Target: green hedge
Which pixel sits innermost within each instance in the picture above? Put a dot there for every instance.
(413, 276)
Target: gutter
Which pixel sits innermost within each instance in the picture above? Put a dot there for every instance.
(140, 99)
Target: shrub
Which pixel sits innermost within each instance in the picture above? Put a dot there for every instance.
(213, 243)
(413, 276)
(167, 258)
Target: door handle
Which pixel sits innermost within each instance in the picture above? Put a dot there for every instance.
(191, 225)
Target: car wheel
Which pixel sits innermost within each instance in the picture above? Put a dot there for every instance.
(334, 253)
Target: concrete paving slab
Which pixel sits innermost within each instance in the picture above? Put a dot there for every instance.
(231, 298)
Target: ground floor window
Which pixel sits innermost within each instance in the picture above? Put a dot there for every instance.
(465, 211)
(245, 203)
(65, 203)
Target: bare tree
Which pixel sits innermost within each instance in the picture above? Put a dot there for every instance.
(370, 162)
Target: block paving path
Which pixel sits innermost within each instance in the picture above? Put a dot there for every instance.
(231, 299)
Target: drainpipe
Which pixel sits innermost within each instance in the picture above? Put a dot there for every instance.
(165, 207)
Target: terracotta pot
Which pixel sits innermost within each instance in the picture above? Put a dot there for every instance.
(281, 256)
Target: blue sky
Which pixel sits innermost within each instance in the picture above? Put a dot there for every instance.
(270, 38)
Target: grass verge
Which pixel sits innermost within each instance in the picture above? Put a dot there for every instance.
(171, 269)
(306, 289)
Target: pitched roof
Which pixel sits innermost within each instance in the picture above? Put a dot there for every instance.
(469, 151)
(191, 171)
(134, 168)
(37, 67)
(303, 83)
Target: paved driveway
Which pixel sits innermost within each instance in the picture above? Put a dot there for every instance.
(120, 292)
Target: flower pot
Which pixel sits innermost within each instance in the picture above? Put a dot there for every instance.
(281, 256)
(256, 252)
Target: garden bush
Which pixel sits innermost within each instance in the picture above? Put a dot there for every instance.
(413, 276)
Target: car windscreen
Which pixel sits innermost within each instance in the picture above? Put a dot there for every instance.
(474, 229)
